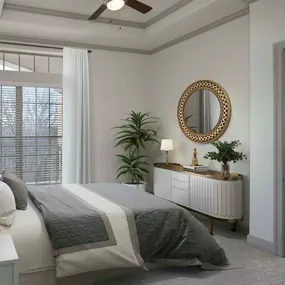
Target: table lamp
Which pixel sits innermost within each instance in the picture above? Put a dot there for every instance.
(166, 144)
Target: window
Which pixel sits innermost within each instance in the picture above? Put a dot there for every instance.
(26, 62)
(31, 116)
(31, 133)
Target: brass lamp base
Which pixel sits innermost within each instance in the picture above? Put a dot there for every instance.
(166, 153)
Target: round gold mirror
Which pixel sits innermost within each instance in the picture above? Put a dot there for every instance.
(204, 111)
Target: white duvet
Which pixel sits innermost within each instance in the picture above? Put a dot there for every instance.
(31, 241)
(35, 251)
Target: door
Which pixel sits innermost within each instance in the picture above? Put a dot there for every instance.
(162, 183)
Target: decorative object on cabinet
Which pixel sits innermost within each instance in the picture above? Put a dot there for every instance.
(133, 135)
(234, 176)
(195, 159)
(167, 145)
(205, 192)
(206, 105)
(226, 154)
(198, 168)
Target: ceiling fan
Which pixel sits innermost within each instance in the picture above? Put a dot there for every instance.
(115, 5)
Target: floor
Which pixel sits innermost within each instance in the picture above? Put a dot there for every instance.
(252, 266)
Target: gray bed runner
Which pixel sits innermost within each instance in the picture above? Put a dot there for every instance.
(72, 224)
(165, 230)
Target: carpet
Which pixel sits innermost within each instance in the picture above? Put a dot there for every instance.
(253, 266)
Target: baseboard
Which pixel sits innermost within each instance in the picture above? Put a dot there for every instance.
(261, 244)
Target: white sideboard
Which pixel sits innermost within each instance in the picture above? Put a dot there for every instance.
(206, 193)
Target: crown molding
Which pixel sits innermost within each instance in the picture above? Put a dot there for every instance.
(167, 12)
(49, 43)
(202, 30)
(103, 20)
(73, 16)
(1, 7)
(248, 2)
(10, 39)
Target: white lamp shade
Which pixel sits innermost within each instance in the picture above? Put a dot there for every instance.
(115, 5)
(166, 144)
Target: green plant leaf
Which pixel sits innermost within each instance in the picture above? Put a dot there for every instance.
(145, 163)
(123, 167)
(122, 173)
(133, 135)
(144, 170)
(226, 152)
(125, 159)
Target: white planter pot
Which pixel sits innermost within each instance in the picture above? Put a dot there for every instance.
(141, 186)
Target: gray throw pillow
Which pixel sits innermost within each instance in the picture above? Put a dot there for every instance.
(18, 188)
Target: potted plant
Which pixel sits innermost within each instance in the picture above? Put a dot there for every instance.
(226, 153)
(133, 136)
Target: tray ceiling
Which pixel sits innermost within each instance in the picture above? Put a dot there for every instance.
(64, 23)
(87, 7)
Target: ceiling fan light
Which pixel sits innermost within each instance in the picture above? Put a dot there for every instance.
(115, 5)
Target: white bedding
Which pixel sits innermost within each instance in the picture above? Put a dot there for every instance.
(31, 241)
(124, 254)
(35, 251)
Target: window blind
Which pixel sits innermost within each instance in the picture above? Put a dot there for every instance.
(31, 133)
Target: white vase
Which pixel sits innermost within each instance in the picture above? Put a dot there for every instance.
(141, 186)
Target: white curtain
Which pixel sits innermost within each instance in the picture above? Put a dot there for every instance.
(76, 117)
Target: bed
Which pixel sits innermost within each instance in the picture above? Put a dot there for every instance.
(74, 232)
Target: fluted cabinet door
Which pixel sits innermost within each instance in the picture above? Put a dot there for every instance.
(220, 199)
(162, 183)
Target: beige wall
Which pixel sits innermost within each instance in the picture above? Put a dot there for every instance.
(118, 85)
(221, 55)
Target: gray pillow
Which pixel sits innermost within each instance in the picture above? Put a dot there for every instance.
(18, 188)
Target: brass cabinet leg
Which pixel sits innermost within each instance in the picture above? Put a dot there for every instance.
(210, 226)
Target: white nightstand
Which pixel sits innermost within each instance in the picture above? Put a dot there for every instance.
(8, 261)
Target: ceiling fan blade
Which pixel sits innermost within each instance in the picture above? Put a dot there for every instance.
(139, 6)
(98, 12)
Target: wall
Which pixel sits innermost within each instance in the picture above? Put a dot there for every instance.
(221, 55)
(267, 21)
(118, 84)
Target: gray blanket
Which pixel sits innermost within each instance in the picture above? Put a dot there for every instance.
(71, 223)
(165, 231)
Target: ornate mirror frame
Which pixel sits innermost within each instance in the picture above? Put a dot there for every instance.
(225, 111)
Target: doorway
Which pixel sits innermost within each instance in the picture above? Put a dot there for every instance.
(279, 165)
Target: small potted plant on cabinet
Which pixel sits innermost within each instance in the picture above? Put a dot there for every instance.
(226, 153)
(133, 136)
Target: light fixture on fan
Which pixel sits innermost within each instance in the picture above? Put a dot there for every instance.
(115, 5)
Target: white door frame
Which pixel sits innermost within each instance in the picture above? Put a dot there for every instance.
(279, 151)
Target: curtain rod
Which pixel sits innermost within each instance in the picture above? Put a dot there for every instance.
(37, 46)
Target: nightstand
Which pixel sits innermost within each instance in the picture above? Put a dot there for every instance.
(8, 261)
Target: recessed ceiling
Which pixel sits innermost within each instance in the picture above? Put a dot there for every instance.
(87, 7)
(64, 23)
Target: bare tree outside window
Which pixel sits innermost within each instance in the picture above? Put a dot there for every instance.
(31, 133)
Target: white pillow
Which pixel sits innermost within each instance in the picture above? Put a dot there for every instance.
(7, 205)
